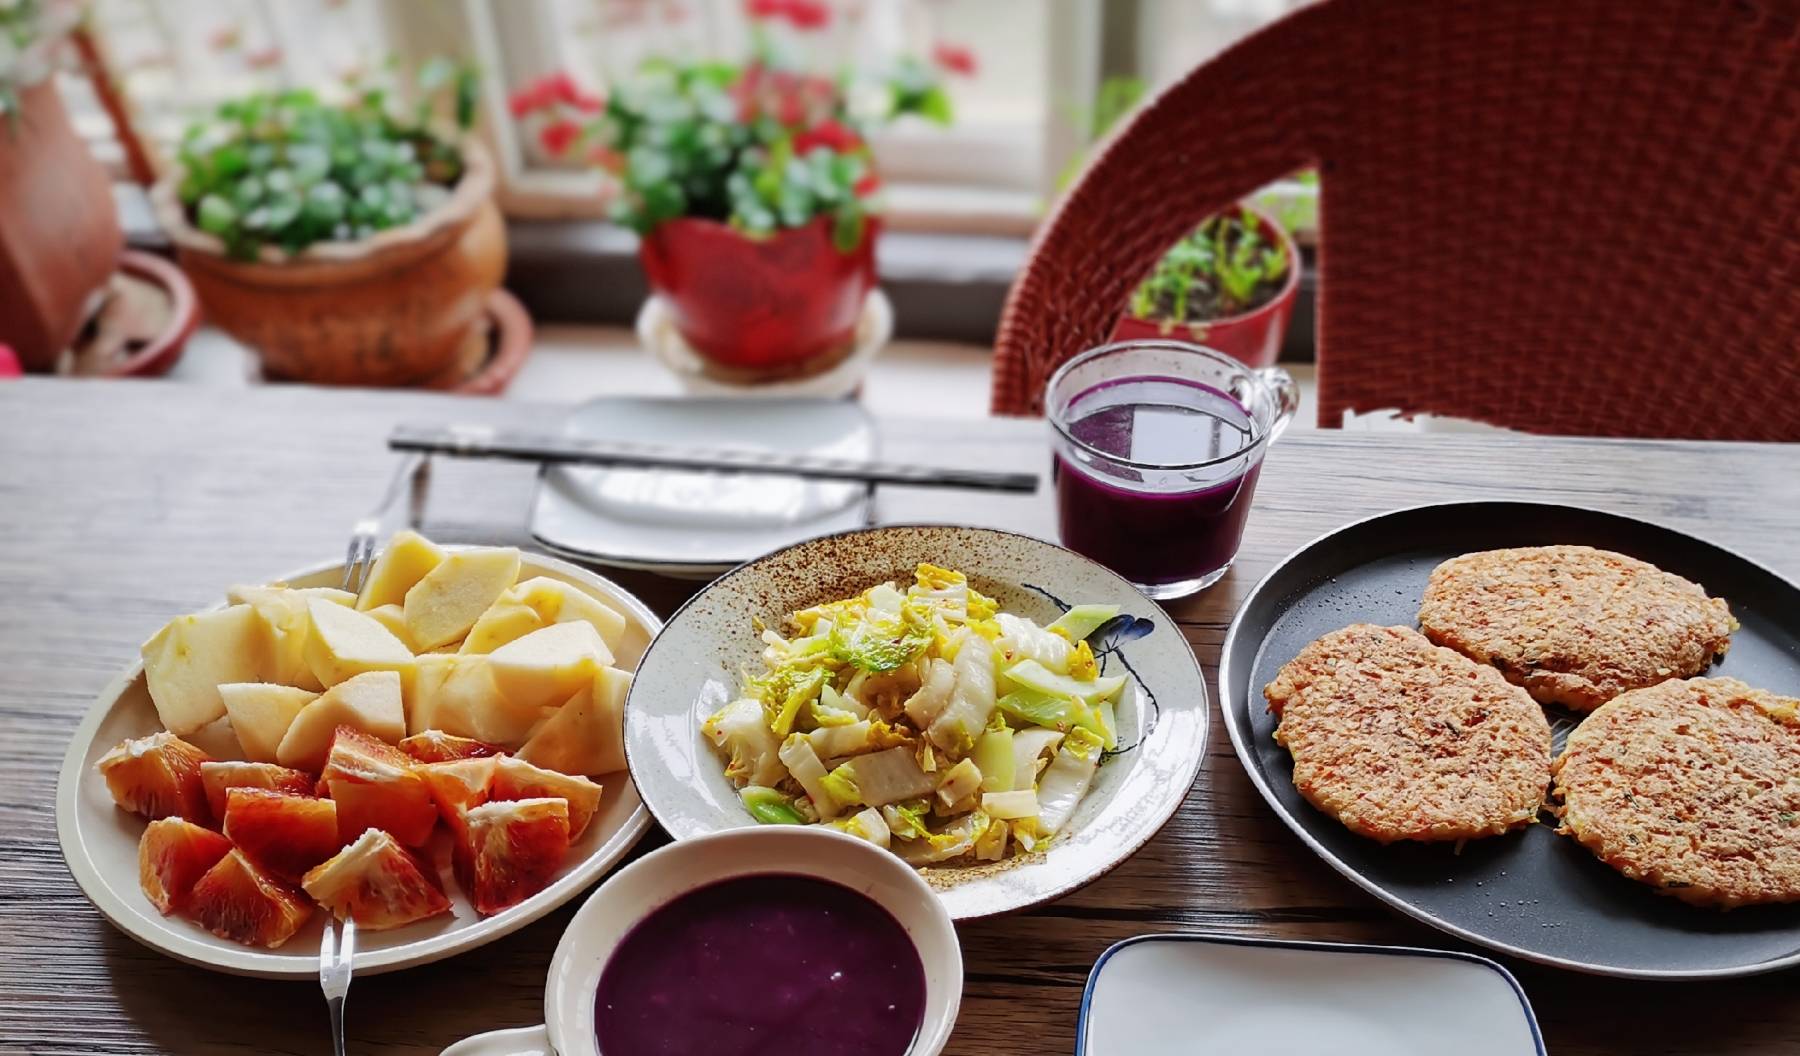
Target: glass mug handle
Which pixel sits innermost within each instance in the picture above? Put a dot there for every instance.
(1287, 397)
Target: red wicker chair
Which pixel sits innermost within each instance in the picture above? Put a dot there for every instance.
(1561, 216)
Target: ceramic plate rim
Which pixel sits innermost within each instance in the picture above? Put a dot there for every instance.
(1162, 815)
(265, 964)
(1360, 948)
(1245, 752)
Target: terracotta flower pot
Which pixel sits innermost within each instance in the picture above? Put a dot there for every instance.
(760, 303)
(1252, 338)
(393, 309)
(59, 231)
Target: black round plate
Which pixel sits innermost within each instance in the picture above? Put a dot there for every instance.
(1533, 894)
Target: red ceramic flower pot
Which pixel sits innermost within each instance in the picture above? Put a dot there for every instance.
(760, 303)
(1253, 338)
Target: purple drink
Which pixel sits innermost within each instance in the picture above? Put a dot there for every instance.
(1157, 459)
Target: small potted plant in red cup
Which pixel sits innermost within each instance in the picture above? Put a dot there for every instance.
(1229, 285)
(751, 185)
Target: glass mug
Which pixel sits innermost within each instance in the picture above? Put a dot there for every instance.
(1157, 448)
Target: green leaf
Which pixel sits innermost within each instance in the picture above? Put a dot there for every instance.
(847, 230)
(216, 215)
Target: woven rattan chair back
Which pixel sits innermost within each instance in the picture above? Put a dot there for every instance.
(1560, 216)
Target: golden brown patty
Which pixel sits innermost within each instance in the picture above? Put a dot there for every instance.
(1402, 740)
(1692, 787)
(1574, 625)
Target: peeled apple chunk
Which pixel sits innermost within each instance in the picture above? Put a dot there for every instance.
(547, 666)
(185, 662)
(456, 694)
(369, 702)
(444, 605)
(408, 558)
(587, 734)
(286, 625)
(346, 643)
(393, 617)
(504, 621)
(260, 714)
(538, 603)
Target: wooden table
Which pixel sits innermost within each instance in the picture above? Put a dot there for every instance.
(124, 503)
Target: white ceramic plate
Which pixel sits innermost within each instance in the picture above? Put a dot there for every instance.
(694, 523)
(693, 667)
(99, 841)
(1195, 995)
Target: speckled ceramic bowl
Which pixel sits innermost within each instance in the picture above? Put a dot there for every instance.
(692, 668)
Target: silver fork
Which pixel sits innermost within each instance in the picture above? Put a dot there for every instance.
(335, 956)
(337, 946)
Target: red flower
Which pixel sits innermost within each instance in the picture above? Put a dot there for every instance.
(534, 96)
(954, 58)
(563, 89)
(789, 110)
(827, 133)
(263, 58)
(801, 14)
(869, 184)
(558, 136)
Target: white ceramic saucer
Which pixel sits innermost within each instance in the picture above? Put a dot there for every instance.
(701, 524)
(1194, 995)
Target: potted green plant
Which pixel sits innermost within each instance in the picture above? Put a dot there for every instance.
(59, 231)
(751, 185)
(351, 244)
(1229, 285)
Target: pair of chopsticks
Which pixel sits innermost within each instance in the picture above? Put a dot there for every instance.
(462, 441)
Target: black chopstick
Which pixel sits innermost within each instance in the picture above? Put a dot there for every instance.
(464, 441)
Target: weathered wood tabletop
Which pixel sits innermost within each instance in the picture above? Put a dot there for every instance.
(124, 503)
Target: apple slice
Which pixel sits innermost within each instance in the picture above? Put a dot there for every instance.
(261, 713)
(504, 621)
(586, 735)
(407, 559)
(444, 605)
(185, 662)
(547, 666)
(393, 617)
(285, 627)
(456, 694)
(369, 702)
(345, 643)
(559, 602)
(517, 779)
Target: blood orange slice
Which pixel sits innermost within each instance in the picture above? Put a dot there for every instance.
(458, 786)
(284, 833)
(511, 850)
(377, 882)
(518, 779)
(436, 746)
(172, 856)
(216, 777)
(235, 900)
(376, 787)
(157, 777)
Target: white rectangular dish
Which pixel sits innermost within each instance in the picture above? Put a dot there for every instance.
(1196, 995)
